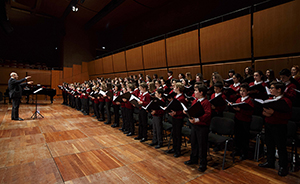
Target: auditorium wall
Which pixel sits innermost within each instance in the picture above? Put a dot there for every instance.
(218, 47)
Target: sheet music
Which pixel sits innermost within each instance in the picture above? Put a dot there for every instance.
(183, 106)
(36, 91)
(134, 98)
(268, 91)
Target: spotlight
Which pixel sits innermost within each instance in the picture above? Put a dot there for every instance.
(103, 48)
(74, 9)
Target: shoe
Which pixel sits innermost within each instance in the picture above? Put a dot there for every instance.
(85, 114)
(137, 138)
(130, 134)
(266, 165)
(18, 119)
(126, 132)
(243, 157)
(189, 162)
(107, 123)
(171, 151)
(158, 146)
(143, 140)
(114, 125)
(122, 129)
(101, 119)
(176, 155)
(283, 171)
(153, 144)
(93, 115)
(202, 168)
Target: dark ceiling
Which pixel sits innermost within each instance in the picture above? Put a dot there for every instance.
(119, 23)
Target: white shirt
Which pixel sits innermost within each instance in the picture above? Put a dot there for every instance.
(244, 98)
(278, 97)
(258, 82)
(236, 84)
(217, 94)
(178, 95)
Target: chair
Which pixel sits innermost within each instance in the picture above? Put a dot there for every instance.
(291, 141)
(186, 132)
(229, 115)
(255, 129)
(222, 130)
(296, 115)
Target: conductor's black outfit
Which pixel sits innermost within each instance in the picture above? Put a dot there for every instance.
(15, 93)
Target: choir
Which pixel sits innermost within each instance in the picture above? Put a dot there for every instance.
(158, 100)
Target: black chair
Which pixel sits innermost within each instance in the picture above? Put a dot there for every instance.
(186, 132)
(222, 130)
(296, 115)
(229, 115)
(255, 131)
(291, 141)
(167, 127)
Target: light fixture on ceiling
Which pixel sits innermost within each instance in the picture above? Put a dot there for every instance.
(74, 9)
(103, 48)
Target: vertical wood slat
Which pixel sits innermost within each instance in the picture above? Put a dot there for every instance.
(134, 59)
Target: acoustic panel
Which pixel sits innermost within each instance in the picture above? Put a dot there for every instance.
(84, 67)
(91, 67)
(183, 49)
(276, 30)
(223, 68)
(225, 41)
(107, 64)
(160, 73)
(119, 62)
(137, 73)
(76, 70)
(155, 55)
(134, 59)
(98, 66)
(68, 72)
(193, 69)
(276, 64)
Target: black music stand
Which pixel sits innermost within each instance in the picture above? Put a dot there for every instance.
(34, 115)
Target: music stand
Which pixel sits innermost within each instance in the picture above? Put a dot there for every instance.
(34, 115)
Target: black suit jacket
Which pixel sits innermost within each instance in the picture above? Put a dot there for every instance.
(15, 87)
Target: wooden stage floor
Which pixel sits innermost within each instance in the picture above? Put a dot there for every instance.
(68, 147)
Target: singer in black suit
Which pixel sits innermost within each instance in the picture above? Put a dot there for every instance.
(15, 93)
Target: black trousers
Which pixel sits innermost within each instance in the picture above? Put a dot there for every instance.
(85, 105)
(199, 139)
(117, 114)
(276, 136)
(78, 103)
(101, 109)
(157, 130)
(96, 110)
(124, 124)
(15, 108)
(242, 135)
(108, 113)
(129, 120)
(143, 124)
(177, 136)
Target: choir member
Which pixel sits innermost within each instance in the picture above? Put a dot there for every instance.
(157, 122)
(295, 71)
(276, 131)
(177, 121)
(218, 110)
(289, 92)
(101, 100)
(200, 130)
(108, 102)
(237, 78)
(242, 119)
(270, 76)
(129, 112)
(116, 106)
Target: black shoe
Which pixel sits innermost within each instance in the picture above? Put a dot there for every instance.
(171, 151)
(114, 125)
(19, 119)
(130, 134)
(101, 119)
(153, 144)
(85, 114)
(126, 132)
(158, 146)
(189, 162)
(107, 123)
(202, 168)
(122, 129)
(143, 140)
(137, 138)
(266, 165)
(176, 155)
(283, 171)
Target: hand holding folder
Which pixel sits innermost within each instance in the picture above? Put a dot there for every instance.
(194, 111)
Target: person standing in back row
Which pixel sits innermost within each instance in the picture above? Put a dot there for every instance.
(15, 93)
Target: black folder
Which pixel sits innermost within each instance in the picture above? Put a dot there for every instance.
(109, 94)
(134, 101)
(155, 104)
(194, 111)
(120, 97)
(190, 98)
(258, 87)
(170, 95)
(248, 80)
(229, 81)
(241, 105)
(218, 101)
(174, 105)
(229, 91)
(279, 105)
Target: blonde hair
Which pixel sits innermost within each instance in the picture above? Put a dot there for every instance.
(180, 86)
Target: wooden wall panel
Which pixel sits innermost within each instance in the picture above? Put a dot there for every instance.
(123, 75)
(137, 73)
(193, 69)
(5, 74)
(277, 64)
(85, 76)
(295, 60)
(223, 68)
(276, 30)
(76, 70)
(84, 67)
(42, 77)
(107, 64)
(155, 55)
(226, 41)
(134, 59)
(119, 62)
(160, 72)
(91, 67)
(183, 49)
(68, 72)
(99, 66)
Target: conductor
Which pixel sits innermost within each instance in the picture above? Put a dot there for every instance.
(15, 93)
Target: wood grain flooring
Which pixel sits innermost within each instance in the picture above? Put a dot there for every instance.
(68, 147)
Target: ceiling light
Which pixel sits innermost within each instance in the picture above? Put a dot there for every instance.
(74, 9)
